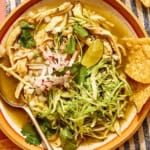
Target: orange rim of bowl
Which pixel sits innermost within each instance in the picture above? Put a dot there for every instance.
(136, 122)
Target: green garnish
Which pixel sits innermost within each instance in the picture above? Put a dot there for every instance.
(71, 45)
(46, 127)
(31, 136)
(26, 25)
(26, 38)
(79, 72)
(96, 100)
(81, 31)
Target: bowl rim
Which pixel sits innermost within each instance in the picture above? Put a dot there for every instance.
(116, 4)
(136, 122)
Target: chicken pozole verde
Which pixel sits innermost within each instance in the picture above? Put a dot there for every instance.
(68, 65)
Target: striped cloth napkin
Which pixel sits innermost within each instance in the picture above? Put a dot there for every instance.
(141, 139)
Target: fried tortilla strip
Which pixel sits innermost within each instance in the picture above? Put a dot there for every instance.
(138, 59)
(141, 94)
(146, 3)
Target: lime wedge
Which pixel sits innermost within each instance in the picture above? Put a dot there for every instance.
(93, 53)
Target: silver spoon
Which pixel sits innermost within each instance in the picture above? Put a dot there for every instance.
(28, 111)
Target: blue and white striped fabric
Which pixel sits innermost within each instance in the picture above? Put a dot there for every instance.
(140, 11)
(141, 139)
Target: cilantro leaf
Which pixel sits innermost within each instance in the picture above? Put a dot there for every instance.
(26, 39)
(46, 127)
(71, 45)
(80, 72)
(26, 25)
(79, 30)
(83, 72)
(31, 136)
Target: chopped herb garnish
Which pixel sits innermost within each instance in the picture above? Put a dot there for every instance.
(26, 25)
(71, 45)
(80, 73)
(31, 136)
(26, 39)
(81, 31)
(46, 127)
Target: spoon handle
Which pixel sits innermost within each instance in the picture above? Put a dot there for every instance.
(47, 144)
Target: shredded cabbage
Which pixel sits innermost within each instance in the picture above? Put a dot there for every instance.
(92, 108)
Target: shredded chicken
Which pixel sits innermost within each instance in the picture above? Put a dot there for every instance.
(64, 8)
(78, 10)
(19, 88)
(40, 37)
(53, 23)
(21, 67)
(59, 28)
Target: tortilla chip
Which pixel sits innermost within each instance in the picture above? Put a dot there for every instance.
(137, 65)
(141, 94)
(146, 3)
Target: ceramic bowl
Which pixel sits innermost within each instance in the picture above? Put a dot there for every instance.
(11, 119)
